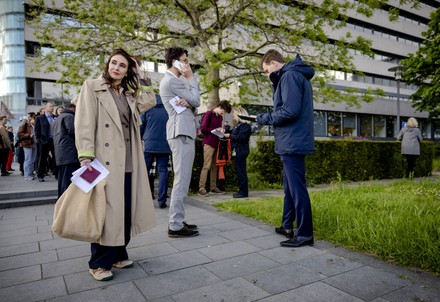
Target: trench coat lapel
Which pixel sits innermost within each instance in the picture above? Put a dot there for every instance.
(108, 103)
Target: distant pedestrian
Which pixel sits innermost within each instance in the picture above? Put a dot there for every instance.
(28, 143)
(211, 120)
(411, 137)
(5, 145)
(240, 136)
(66, 155)
(44, 138)
(10, 130)
(156, 148)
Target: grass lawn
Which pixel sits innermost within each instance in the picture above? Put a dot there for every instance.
(399, 222)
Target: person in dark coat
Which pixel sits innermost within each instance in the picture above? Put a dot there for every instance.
(66, 155)
(411, 137)
(156, 148)
(292, 119)
(240, 136)
(44, 138)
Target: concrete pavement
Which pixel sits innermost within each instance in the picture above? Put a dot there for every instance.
(233, 259)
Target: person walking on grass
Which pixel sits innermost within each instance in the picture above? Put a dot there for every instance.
(411, 137)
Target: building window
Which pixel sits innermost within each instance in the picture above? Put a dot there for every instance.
(334, 124)
(349, 124)
(379, 126)
(391, 126)
(365, 126)
(425, 128)
(319, 123)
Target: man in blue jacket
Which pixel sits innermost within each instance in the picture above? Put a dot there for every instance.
(292, 120)
(156, 148)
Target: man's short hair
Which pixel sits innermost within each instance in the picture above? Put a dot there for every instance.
(271, 55)
(225, 105)
(3, 117)
(70, 106)
(174, 53)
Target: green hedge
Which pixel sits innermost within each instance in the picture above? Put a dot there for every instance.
(354, 160)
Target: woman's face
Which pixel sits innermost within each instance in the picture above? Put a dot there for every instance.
(118, 68)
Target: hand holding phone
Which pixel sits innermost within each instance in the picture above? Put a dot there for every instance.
(178, 65)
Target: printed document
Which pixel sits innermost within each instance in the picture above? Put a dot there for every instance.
(82, 183)
(179, 109)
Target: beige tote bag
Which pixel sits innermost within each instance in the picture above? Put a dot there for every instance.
(80, 216)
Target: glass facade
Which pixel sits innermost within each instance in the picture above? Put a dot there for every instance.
(12, 57)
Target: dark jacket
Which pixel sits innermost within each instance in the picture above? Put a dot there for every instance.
(240, 135)
(292, 115)
(63, 130)
(153, 129)
(42, 129)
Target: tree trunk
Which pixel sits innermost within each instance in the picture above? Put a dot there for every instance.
(214, 94)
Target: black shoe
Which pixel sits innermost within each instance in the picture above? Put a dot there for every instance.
(11, 170)
(190, 226)
(239, 195)
(40, 179)
(5, 174)
(183, 232)
(286, 232)
(163, 206)
(298, 242)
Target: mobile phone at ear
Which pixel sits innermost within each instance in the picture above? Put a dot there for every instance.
(178, 65)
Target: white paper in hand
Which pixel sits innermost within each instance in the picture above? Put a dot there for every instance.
(179, 109)
(218, 133)
(83, 184)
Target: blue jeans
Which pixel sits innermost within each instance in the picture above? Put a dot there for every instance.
(30, 155)
(296, 197)
(162, 160)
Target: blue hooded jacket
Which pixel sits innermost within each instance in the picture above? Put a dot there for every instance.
(292, 114)
(153, 129)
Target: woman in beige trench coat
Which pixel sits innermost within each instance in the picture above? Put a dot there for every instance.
(107, 128)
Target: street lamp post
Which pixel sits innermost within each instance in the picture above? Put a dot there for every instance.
(398, 76)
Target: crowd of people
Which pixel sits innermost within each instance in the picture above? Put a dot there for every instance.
(33, 145)
(134, 132)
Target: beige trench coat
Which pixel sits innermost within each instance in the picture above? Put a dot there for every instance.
(98, 134)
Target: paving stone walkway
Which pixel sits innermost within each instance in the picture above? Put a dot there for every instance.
(234, 259)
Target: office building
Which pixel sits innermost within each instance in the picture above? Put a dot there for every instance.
(23, 89)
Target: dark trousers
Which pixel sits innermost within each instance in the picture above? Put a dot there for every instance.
(411, 161)
(43, 155)
(296, 198)
(4, 154)
(241, 154)
(64, 175)
(162, 160)
(104, 256)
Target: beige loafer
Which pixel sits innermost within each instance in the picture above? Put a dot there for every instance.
(101, 274)
(123, 264)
